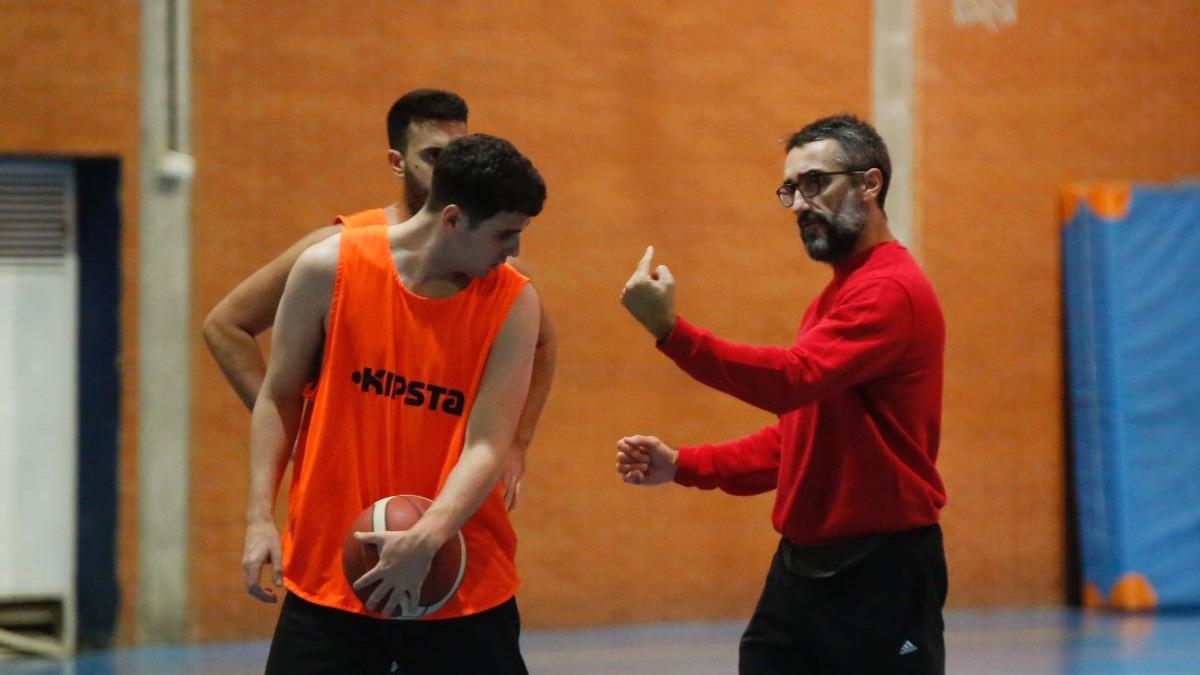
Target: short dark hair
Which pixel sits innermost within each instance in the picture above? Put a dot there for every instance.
(485, 175)
(861, 146)
(420, 105)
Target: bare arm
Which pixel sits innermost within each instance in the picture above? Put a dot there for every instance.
(405, 556)
(492, 424)
(544, 356)
(295, 357)
(249, 309)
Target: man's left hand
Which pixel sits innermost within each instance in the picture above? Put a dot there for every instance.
(650, 297)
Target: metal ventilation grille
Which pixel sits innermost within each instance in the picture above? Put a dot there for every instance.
(34, 224)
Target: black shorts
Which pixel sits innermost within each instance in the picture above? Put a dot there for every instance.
(312, 639)
(880, 614)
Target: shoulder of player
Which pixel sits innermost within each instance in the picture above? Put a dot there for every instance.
(320, 259)
(526, 307)
(527, 295)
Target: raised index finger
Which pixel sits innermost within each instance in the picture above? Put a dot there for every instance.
(644, 264)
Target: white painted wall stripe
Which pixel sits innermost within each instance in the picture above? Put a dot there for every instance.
(893, 60)
(164, 358)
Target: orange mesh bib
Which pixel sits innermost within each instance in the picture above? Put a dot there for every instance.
(397, 383)
(360, 219)
(363, 219)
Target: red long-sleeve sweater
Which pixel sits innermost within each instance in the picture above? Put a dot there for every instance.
(859, 400)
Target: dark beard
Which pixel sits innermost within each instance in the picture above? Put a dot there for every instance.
(414, 194)
(840, 236)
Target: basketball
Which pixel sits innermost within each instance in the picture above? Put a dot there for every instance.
(398, 513)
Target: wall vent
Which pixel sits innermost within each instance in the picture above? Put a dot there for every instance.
(35, 212)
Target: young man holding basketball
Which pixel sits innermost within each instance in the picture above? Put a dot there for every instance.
(369, 314)
(419, 124)
(858, 582)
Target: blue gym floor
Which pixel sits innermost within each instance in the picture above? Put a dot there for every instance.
(1017, 642)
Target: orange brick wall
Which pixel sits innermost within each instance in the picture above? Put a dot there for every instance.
(653, 123)
(1075, 90)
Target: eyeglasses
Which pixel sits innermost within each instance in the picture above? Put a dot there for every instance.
(809, 185)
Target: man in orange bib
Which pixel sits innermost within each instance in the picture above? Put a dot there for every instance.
(371, 314)
(419, 124)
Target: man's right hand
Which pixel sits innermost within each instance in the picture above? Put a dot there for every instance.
(650, 297)
(645, 460)
(262, 548)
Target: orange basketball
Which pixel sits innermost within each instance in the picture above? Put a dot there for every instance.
(399, 513)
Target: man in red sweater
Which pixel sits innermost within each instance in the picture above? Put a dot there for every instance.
(859, 580)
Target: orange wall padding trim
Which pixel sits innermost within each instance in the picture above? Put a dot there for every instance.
(1108, 200)
(1134, 592)
(1093, 598)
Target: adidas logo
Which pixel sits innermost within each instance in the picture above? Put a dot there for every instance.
(907, 648)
